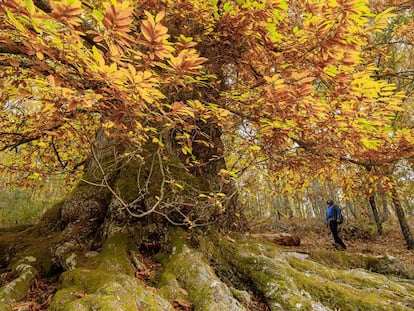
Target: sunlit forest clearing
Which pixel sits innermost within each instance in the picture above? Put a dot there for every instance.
(194, 155)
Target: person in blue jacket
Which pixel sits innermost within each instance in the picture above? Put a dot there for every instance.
(333, 218)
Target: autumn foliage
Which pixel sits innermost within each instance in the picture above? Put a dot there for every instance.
(294, 84)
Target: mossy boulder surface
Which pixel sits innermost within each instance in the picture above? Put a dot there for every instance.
(291, 281)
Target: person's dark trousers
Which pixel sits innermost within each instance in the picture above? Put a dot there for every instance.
(333, 225)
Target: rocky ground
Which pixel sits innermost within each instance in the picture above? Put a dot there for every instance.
(359, 239)
(249, 274)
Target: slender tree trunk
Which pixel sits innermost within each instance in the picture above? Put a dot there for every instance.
(287, 207)
(402, 219)
(352, 208)
(385, 210)
(377, 219)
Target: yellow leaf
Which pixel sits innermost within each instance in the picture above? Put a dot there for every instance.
(150, 19)
(159, 16)
(98, 56)
(40, 55)
(108, 125)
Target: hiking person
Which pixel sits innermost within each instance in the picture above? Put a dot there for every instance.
(333, 218)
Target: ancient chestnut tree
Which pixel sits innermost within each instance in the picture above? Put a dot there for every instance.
(138, 100)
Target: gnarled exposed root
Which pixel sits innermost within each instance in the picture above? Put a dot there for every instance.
(193, 272)
(17, 289)
(107, 282)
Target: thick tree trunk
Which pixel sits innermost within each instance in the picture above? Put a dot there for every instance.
(402, 219)
(160, 185)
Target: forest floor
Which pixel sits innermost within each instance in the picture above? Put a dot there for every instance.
(359, 237)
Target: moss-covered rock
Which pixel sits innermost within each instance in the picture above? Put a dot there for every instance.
(380, 264)
(290, 282)
(350, 289)
(25, 242)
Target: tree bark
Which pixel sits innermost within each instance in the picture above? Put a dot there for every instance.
(159, 186)
(385, 211)
(402, 219)
(375, 213)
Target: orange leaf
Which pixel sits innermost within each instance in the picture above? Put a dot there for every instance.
(79, 294)
(183, 303)
(14, 63)
(40, 55)
(124, 13)
(159, 16)
(51, 80)
(73, 11)
(123, 22)
(147, 30)
(98, 38)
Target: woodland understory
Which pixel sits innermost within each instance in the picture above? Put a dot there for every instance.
(149, 267)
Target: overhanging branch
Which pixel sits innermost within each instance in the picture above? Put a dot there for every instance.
(24, 140)
(9, 49)
(308, 147)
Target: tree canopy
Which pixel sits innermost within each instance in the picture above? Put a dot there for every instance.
(298, 85)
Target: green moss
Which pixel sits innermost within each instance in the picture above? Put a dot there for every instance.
(127, 185)
(161, 257)
(342, 296)
(15, 229)
(64, 296)
(187, 268)
(29, 242)
(136, 175)
(103, 303)
(106, 282)
(5, 306)
(40, 249)
(344, 260)
(355, 277)
(336, 259)
(114, 256)
(17, 289)
(360, 280)
(52, 215)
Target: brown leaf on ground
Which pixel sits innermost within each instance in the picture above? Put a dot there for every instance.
(182, 305)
